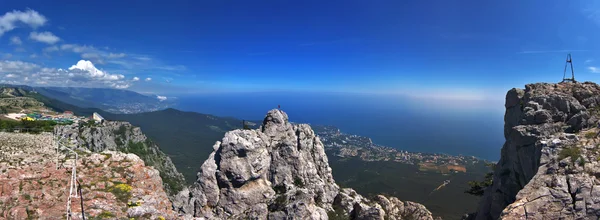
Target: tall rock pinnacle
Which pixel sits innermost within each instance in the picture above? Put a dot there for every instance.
(279, 171)
(549, 162)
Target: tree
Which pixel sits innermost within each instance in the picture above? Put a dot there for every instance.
(477, 188)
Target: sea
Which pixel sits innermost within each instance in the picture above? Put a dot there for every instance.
(413, 124)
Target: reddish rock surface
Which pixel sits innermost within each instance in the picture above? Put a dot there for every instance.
(32, 187)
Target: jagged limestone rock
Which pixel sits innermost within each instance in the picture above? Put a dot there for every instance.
(531, 180)
(279, 171)
(124, 137)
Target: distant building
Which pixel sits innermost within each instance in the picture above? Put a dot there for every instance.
(97, 117)
(68, 113)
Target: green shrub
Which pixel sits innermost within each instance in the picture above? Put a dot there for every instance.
(121, 191)
(280, 189)
(106, 214)
(590, 135)
(173, 184)
(477, 188)
(137, 148)
(298, 182)
(573, 152)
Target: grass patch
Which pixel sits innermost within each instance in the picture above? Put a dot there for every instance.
(121, 191)
(106, 156)
(590, 135)
(172, 183)
(573, 152)
(106, 214)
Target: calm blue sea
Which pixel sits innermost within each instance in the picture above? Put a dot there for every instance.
(392, 121)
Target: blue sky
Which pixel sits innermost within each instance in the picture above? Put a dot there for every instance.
(464, 50)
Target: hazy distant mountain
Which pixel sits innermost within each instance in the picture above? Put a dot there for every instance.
(110, 100)
(187, 137)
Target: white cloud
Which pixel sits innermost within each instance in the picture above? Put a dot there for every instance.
(121, 85)
(115, 55)
(593, 69)
(143, 58)
(30, 17)
(44, 37)
(172, 68)
(82, 74)
(33, 56)
(161, 98)
(16, 66)
(16, 40)
(148, 79)
(19, 49)
(88, 66)
(7, 56)
(90, 56)
(51, 49)
(92, 53)
(77, 48)
(136, 78)
(588, 61)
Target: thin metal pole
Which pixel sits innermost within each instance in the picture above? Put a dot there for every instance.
(81, 200)
(565, 71)
(572, 71)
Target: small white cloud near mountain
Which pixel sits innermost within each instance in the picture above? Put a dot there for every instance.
(84, 73)
(88, 66)
(161, 98)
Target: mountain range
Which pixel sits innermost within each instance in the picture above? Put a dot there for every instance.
(116, 101)
(547, 170)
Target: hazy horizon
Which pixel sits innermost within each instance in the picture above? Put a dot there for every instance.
(403, 123)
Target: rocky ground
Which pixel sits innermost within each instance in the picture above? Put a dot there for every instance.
(280, 171)
(566, 185)
(123, 137)
(114, 185)
(549, 163)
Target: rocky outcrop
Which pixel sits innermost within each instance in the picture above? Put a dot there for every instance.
(113, 184)
(122, 136)
(535, 176)
(279, 171)
(20, 103)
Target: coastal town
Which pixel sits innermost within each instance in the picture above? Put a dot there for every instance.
(355, 146)
(66, 117)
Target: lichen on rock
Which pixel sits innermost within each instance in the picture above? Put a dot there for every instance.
(32, 187)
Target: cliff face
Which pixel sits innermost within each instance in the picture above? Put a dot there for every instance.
(122, 136)
(546, 169)
(31, 187)
(279, 171)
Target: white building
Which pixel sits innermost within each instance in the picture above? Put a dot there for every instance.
(97, 117)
